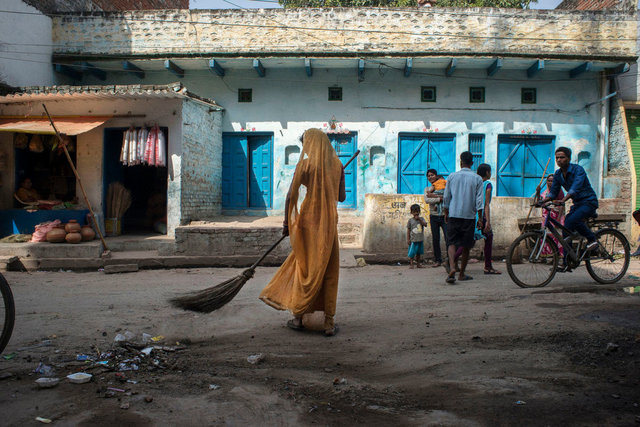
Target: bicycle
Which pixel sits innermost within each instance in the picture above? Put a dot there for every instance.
(7, 313)
(532, 258)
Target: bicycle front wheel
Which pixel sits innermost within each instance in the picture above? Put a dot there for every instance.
(608, 262)
(7, 313)
(532, 260)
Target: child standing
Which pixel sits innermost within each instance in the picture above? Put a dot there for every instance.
(415, 236)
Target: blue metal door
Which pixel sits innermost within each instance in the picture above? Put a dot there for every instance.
(521, 162)
(260, 174)
(419, 152)
(234, 171)
(345, 145)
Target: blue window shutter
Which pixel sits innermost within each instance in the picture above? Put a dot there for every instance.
(521, 162)
(476, 146)
(420, 152)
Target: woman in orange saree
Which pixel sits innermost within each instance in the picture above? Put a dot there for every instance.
(308, 280)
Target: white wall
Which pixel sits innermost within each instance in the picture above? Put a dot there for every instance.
(25, 46)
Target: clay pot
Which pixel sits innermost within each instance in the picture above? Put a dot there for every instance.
(87, 233)
(56, 235)
(73, 237)
(72, 226)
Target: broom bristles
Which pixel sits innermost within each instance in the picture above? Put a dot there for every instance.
(210, 299)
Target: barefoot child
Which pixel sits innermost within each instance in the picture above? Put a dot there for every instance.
(415, 236)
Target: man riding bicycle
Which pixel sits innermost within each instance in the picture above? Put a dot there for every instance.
(573, 178)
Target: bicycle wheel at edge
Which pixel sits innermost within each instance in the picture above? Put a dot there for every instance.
(616, 246)
(7, 311)
(527, 270)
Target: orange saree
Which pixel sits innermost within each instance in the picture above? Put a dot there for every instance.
(308, 280)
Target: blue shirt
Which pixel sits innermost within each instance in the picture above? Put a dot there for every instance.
(463, 195)
(576, 184)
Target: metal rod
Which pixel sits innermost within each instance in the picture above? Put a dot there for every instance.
(524, 227)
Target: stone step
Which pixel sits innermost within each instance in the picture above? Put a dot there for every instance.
(52, 250)
(348, 238)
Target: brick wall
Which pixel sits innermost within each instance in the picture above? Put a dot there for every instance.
(52, 6)
(201, 165)
(480, 31)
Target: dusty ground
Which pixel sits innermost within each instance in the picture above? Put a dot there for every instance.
(411, 351)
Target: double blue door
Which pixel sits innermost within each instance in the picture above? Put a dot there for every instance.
(419, 152)
(521, 162)
(345, 145)
(246, 171)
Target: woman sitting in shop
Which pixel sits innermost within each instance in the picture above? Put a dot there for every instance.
(26, 194)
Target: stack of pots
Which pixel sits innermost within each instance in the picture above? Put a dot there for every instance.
(70, 232)
(73, 232)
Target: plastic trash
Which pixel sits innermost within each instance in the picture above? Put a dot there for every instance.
(254, 359)
(146, 351)
(9, 356)
(339, 381)
(83, 357)
(44, 420)
(146, 338)
(43, 369)
(213, 386)
(46, 382)
(361, 262)
(520, 402)
(157, 338)
(79, 377)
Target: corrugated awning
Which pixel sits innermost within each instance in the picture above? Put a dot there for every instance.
(66, 125)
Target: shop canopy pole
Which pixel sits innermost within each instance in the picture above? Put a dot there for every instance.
(75, 172)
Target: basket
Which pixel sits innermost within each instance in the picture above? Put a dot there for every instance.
(113, 226)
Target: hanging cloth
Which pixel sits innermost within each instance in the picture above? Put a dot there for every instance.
(149, 149)
(142, 140)
(133, 137)
(124, 153)
(161, 152)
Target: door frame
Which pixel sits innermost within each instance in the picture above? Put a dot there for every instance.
(427, 137)
(354, 164)
(550, 139)
(247, 207)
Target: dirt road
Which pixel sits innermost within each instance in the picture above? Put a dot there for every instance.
(411, 351)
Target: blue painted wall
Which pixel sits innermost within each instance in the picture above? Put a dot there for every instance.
(387, 104)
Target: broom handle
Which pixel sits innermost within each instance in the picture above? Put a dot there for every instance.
(264, 255)
(75, 172)
(268, 251)
(351, 159)
(524, 228)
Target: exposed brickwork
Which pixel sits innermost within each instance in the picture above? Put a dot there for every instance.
(201, 163)
(53, 6)
(322, 32)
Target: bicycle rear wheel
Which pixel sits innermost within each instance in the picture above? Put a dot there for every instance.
(7, 313)
(608, 263)
(526, 264)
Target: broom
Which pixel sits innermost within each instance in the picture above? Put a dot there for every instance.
(210, 299)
